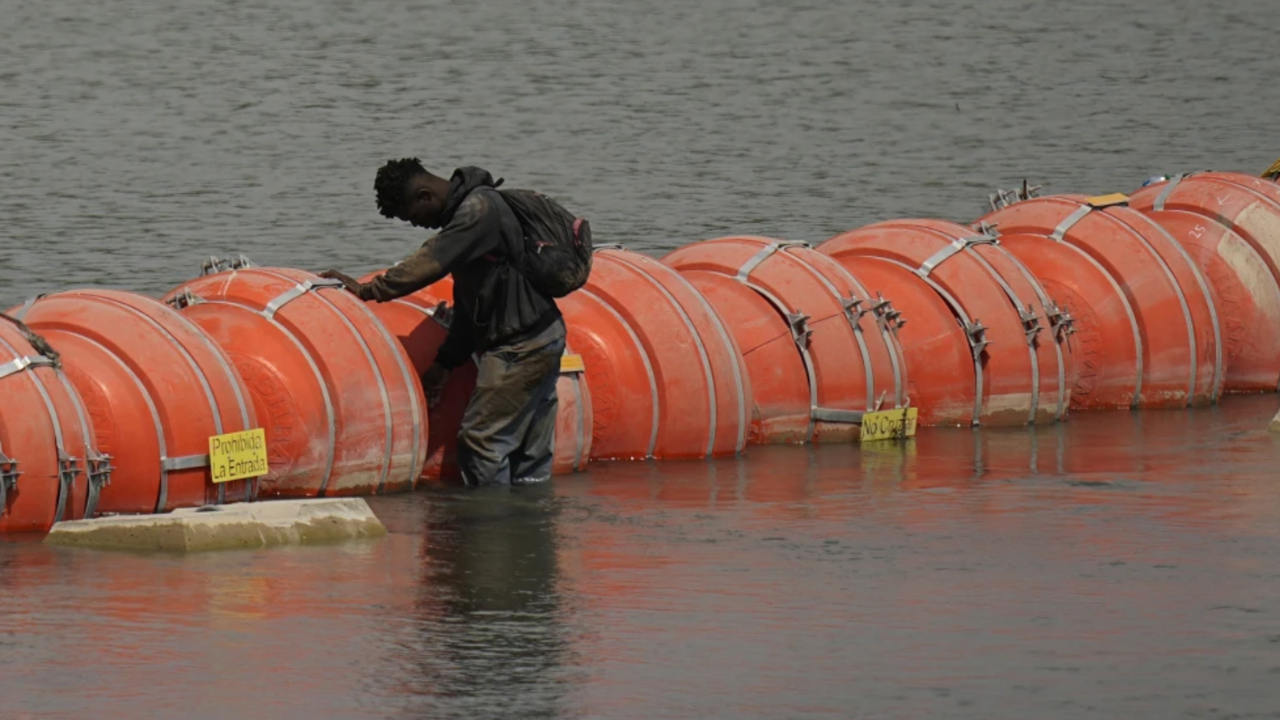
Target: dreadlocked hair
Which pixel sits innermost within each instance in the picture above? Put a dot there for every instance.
(392, 184)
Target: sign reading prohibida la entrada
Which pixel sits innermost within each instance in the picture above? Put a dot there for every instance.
(237, 456)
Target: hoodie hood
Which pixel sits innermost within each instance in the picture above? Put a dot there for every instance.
(461, 184)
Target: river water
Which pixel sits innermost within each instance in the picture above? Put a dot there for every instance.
(1119, 566)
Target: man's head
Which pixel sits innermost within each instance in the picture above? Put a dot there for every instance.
(406, 191)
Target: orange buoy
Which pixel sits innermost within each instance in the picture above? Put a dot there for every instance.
(1181, 336)
(413, 320)
(50, 468)
(1024, 381)
(815, 362)
(342, 410)
(1248, 206)
(945, 377)
(1246, 294)
(1105, 341)
(155, 389)
(951, 255)
(666, 378)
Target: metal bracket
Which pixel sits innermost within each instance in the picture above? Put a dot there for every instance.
(1060, 322)
(989, 228)
(8, 479)
(68, 469)
(185, 462)
(977, 333)
(216, 264)
(595, 247)
(184, 299)
(799, 324)
(296, 292)
(1030, 323)
(1001, 199)
(17, 365)
(99, 473)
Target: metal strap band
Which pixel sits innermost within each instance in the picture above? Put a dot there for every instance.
(800, 338)
(763, 254)
(1031, 327)
(831, 415)
(409, 381)
(184, 462)
(1163, 197)
(17, 365)
(1047, 303)
(296, 292)
(8, 479)
(388, 428)
(26, 307)
(957, 245)
(852, 314)
(1069, 222)
(739, 384)
(1219, 361)
(655, 398)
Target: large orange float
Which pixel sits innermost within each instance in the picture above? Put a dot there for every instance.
(1178, 321)
(155, 389)
(342, 410)
(1247, 205)
(1105, 342)
(1246, 294)
(50, 468)
(413, 320)
(816, 362)
(1010, 322)
(666, 377)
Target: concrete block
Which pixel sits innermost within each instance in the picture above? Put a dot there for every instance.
(227, 527)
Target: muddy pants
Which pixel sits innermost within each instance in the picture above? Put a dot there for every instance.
(508, 430)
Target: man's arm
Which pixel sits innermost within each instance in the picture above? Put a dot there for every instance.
(473, 232)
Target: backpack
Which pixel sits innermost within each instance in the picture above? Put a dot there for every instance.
(556, 257)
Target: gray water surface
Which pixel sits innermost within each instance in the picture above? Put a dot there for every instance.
(1119, 566)
(139, 136)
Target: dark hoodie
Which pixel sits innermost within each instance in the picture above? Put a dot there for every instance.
(493, 303)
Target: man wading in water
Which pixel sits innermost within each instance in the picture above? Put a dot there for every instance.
(499, 313)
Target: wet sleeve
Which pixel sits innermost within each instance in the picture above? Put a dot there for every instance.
(460, 343)
(473, 232)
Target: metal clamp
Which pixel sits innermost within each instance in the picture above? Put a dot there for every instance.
(68, 469)
(216, 264)
(1001, 199)
(951, 250)
(765, 253)
(99, 474)
(184, 299)
(17, 365)
(8, 479)
(1030, 323)
(298, 291)
(801, 333)
(184, 462)
(1060, 322)
(977, 333)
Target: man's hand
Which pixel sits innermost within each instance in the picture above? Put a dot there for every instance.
(433, 381)
(350, 283)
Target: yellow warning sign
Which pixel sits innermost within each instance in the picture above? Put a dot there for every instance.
(887, 424)
(239, 455)
(571, 364)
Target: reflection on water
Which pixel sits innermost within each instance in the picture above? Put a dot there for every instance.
(1120, 565)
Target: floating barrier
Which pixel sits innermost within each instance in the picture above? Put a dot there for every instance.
(666, 378)
(1014, 331)
(155, 389)
(50, 467)
(1179, 328)
(413, 320)
(815, 361)
(342, 410)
